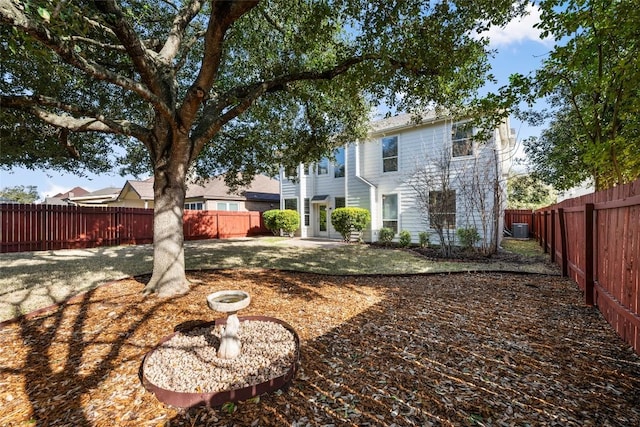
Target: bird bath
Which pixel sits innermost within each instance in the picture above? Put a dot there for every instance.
(207, 364)
(229, 302)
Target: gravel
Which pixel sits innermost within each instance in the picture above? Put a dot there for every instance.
(188, 363)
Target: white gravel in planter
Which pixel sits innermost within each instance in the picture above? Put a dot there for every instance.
(187, 362)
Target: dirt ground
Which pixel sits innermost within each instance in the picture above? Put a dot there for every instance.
(445, 350)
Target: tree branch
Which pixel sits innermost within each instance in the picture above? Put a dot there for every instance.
(10, 14)
(91, 121)
(176, 35)
(242, 98)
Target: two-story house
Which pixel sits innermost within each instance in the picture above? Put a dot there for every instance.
(397, 174)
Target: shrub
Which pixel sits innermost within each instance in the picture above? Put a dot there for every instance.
(385, 236)
(423, 237)
(281, 221)
(346, 220)
(468, 237)
(269, 218)
(405, 238)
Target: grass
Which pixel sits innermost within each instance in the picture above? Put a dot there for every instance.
(30, 280)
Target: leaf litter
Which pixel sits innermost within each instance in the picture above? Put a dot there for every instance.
(492, 349)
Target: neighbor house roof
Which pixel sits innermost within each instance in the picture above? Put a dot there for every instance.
(261, 188)
(75, 191)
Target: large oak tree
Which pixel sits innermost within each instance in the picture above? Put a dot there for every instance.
(209, 87)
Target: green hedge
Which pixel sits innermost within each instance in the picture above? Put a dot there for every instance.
(281, 221)
(346, 220)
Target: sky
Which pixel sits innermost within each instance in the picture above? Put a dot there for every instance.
(519, 50)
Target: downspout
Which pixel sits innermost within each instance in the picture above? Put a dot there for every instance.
(372, 193)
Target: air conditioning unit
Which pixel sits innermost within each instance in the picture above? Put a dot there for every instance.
(520, 230)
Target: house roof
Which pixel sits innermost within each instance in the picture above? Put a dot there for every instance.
(405, 120)
(261, 188)
(75, 191)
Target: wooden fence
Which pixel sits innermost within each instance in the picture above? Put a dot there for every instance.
(519, 216)
(26, 227)
(595, 239)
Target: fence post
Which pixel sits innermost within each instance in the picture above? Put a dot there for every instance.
(553, 235)
(588, 253)
(563, 242)
(544, 232)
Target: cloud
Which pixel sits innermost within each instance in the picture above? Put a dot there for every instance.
(518, 31)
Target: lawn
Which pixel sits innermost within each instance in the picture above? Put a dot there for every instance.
(32, 280)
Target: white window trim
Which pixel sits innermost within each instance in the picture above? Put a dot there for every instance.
(397, 157)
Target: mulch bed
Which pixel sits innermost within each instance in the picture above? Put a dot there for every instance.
(463, 349)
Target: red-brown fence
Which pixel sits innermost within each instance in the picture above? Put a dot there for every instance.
(595, 239)
(45, 227)
(519, 216)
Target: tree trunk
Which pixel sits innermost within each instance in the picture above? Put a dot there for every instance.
(169, 278)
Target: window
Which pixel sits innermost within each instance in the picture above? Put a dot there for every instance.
(390, 154)
(305, 169)
(291, 173)
(461, 140)
(338, 166)
(442, 209)
(323, 166)
(341, 202)
(194, 206)
(291, 204)
(390, 212)
(227, 206)
(307, 211)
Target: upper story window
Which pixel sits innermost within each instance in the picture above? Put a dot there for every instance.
(461, 140)
(323, 166)
(291, 172)
(390, 154)
(339, 165)
(305, 169)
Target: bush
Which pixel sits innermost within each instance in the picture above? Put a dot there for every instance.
(405, 238)
(281, 221)
(423, 237)
(385, 236)
(269, 218)
(346, 220)
(468, 237)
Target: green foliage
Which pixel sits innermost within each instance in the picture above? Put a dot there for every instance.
(346, 220)
(20, 193)
(468, 237)
(385, 236)
(269, 218)
(404, 238)
(423, 238)
(528, 192)
(592, 81)
(278, 221)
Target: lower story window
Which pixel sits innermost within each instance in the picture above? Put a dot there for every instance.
(291, 204)
(442, 209)
(194, 206)
(307, 211)
(341, 202)
(227, 206)
(390, 212)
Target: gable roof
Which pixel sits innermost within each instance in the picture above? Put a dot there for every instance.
(74, 192)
